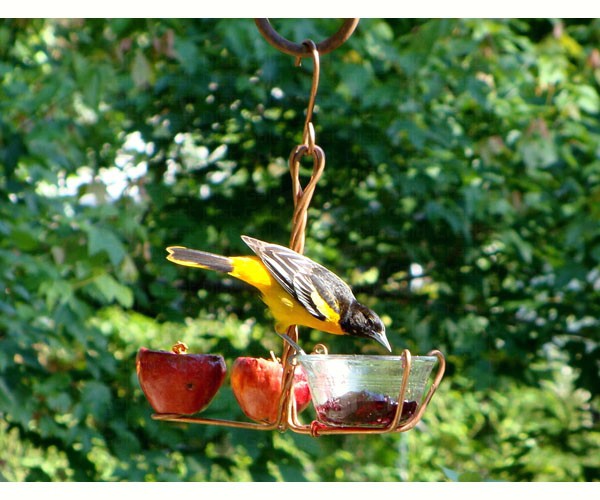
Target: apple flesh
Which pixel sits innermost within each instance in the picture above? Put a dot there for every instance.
(175, 382)
(256, 385)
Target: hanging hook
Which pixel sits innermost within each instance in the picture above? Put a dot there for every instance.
(299, 50)
(308, 134)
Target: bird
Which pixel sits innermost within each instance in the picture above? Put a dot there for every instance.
(296, 289)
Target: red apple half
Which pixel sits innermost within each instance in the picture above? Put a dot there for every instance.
(256, 385)
(175, 382)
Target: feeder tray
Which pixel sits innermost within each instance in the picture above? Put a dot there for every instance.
(351, 394)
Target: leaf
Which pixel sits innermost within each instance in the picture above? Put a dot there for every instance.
(357, 78)
(24, 240)
(538, 152)
(96, 398)
(523, 247)
(587, 99)
(7, 399)
(452, 475)
(111, 290)
(595, 253)
(37, 474)
(104, 240)
(56, 292)
(60, 402)
(187, 53)
(141, 70)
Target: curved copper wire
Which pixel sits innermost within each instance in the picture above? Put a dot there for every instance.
(300, 50)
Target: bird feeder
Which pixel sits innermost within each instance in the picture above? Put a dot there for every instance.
(351, 394)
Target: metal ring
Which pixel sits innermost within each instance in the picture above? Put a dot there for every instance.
(301, 50)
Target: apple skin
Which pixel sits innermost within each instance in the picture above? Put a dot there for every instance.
(256, 385)
(179, 383)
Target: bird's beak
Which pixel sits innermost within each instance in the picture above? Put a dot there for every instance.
(382, 339)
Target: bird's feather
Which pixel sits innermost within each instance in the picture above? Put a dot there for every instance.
(311, 284)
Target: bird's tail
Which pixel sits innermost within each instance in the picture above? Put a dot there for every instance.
(203, 260)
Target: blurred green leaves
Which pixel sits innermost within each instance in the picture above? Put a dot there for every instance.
(104, 240)
(460, 198)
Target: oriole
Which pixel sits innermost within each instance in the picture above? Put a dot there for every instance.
(297, 290)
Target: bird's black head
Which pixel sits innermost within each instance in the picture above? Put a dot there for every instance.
(360, 321)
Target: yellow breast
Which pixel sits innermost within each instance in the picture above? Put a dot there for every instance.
(285, 309)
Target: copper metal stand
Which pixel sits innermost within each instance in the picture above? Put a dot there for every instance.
(287, 415)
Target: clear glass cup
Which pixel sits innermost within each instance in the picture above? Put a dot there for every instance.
(363, 391)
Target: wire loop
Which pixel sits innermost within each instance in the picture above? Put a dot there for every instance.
(299, 50)
(308, 134)
(303, 196)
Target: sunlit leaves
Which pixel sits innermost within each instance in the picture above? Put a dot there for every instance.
(460, 198)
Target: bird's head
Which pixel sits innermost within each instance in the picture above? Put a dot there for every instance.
(360, 321)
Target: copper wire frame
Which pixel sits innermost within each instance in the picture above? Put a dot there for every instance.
(300, 50)
(288, 416)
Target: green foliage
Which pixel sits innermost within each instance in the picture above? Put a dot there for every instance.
(460, 198)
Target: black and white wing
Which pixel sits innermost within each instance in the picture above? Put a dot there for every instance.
(319, 290)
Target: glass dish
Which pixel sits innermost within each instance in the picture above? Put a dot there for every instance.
(363, 391)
